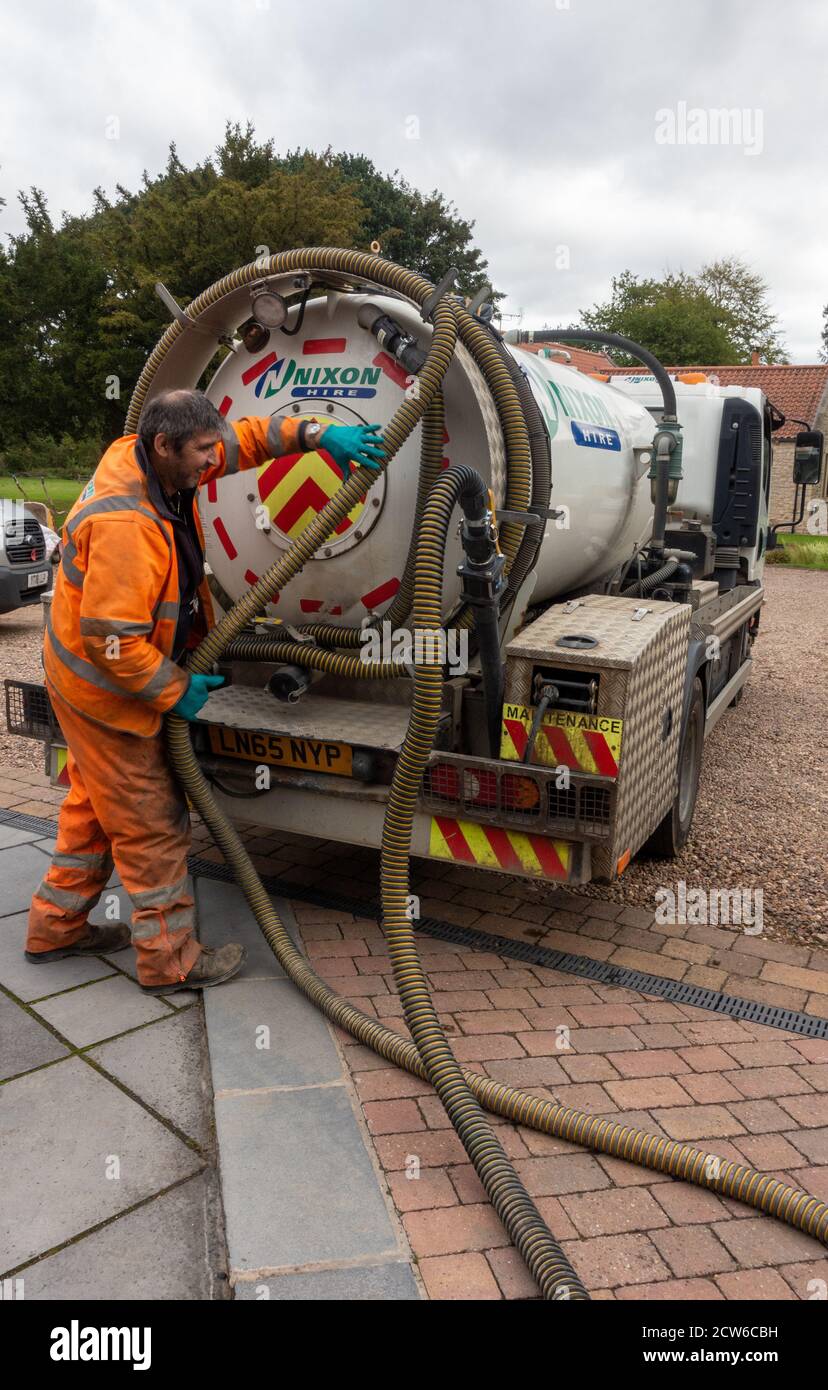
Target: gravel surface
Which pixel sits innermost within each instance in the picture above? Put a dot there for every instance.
(762, 814)
(20, 646)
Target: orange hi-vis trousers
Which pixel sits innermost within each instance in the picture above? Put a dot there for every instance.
(123, 806)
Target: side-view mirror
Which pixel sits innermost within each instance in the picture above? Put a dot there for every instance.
(808, 449)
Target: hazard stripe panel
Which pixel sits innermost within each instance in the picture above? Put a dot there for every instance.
(580, 742)
(491, 847)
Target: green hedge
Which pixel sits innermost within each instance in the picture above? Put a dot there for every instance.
(43, 455)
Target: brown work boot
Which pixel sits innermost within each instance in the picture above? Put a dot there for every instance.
(96, 941)
(213, 967)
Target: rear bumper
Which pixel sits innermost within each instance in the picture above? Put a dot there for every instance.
(339, 811)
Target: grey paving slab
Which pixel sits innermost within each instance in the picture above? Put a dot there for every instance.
(24, 1043)
(21, 869)
(265, 1033)
(35, 981)
(10, 835)
(46, 846)
(62, 1129)
(298, 1185)
(164, 1065)
(375, 1283)
(223, 915)
(101, 1010)
(156, 1252)
(115, 906)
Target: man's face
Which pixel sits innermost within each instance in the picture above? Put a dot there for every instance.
(184, 469)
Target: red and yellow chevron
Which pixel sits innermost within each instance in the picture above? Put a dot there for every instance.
(295, 487)
(60, 768)
(581, 742)
(490, 847)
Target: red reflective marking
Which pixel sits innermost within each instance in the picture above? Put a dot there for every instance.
(456, 840)
(227, 544)
(562, 750)
(250, 577)
(312, 345)
(63, 776)
(212, 492)
(548, 856)
(336, 611)
(503, 848)
(225, 405)
(518, 735)
(391, 369)
(445, 435)
(258, 368)
(376, 596)
(310, 605)
(602, 753)
(444, 463)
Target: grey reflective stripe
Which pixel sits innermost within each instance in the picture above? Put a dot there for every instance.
(65, 898)
(116, 504)
(108, 627)
(100, 861)
(158, 682)
(71, 571)
(182, 919)
(167, 610)
(162, 897)
(274, 435)
(89, 672)
(231, 450)
(82, 668)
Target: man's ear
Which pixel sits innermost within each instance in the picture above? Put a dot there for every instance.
(161, 445)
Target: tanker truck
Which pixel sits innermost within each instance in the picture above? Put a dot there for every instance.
(598, 609)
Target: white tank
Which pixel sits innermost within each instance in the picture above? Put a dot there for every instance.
(333, 370)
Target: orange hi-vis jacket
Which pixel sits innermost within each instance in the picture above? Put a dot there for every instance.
(109, 638)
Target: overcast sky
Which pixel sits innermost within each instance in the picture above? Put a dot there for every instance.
(542, 120)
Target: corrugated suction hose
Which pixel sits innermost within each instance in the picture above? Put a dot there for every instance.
(429, 1055)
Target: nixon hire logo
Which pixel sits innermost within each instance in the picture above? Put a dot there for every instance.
(318, 383)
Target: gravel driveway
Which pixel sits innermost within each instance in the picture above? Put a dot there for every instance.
(762, 814)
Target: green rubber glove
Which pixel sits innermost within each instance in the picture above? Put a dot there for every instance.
(196, 695)
(347, 444)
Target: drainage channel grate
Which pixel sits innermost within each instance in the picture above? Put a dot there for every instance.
(789, 1020)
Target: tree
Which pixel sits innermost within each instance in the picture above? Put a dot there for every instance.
(824, 351)
(743, 295)
(718, 317)
(78, 306)
(672, 317)
(420, 231)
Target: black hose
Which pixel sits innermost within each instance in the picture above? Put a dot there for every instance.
(650, 582)
(616, 340)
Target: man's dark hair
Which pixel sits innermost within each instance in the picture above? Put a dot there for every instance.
(179, 415)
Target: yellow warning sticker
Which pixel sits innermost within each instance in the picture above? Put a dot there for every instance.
(566, 738)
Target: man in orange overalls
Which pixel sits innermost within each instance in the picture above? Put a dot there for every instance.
(130, 600)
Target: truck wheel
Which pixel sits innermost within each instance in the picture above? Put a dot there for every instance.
(672, 834)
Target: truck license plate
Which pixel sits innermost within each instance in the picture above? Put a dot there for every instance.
(281, 750)
(42, 577)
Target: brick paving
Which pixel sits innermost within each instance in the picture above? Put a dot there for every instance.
(748, 1092)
